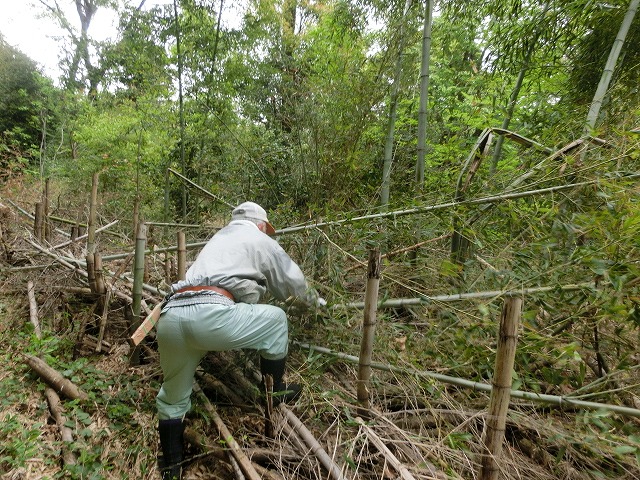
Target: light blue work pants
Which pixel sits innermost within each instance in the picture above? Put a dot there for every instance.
(186, 333)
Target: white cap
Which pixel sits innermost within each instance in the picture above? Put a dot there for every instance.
(252, 211)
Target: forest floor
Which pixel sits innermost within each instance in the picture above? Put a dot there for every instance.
(418, 427)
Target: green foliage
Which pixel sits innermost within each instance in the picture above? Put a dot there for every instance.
(25, 109)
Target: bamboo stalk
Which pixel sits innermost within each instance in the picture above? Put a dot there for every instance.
(45, 210)
(368, 332)
(198, 187)
(388, 454)
(312, 443)
(82, 237)
(182, 255)
(93, 206)
(63, 261)
(55, 406)
(234, 448)
(28, 215)
(103, 320)
(55, 380)
(501, 388)
(99, 274)
(482, 387)
(33, 309)
(425, 299)
(448, 205)
(38, 225)
(138, 276)
(175, 225)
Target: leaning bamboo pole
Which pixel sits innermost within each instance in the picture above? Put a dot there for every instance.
(560, 401)
(448, 205)
(82, 237)
(396, 213)
(368, 332)
(425, 299)
(501, 387)
(198, 187)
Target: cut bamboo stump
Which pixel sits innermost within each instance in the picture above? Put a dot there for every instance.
(501, 387)
(368, 332)
(55, 380)
(33, 309)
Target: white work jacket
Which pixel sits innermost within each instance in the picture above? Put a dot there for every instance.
(247, 263)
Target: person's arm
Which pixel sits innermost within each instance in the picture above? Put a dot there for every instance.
(285, 279)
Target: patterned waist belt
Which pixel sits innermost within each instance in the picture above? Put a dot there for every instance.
(200, 288)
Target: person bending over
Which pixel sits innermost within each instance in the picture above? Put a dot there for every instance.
(215, 308)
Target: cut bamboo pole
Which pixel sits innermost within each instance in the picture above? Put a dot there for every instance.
(312, 443)
(368, 332)
(82, 237)
(501, 387)
(487, 294)
(234, 449)
(33, 309)
(565, 401)
(388, 454)
(55, 406)
(55, 380)
(182, 255)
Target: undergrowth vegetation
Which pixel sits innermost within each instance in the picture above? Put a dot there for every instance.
(573, 256)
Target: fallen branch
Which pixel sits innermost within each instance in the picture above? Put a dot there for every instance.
(234, 449)
(68, 457)
(388, 454)
(312, 443)
(55, 380)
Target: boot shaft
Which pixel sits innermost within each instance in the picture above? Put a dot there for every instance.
(282, 392)
(172, 443)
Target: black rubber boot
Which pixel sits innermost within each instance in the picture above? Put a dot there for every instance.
(171, 440)
(282, 393)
